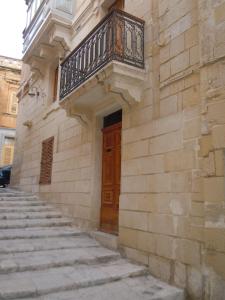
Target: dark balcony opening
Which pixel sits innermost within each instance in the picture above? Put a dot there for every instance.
(119, 36)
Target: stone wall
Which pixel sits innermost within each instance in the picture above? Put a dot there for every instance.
(172, 188)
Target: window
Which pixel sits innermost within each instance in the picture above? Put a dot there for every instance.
(46, 161)
(55, 84)
(13, 106)
(7, 151)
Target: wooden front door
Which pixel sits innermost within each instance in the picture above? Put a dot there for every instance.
(111, 174)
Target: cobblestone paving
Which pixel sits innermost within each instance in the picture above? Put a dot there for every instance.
(43, 257)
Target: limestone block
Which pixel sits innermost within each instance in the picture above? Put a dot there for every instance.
(137, 133)
(169, 106)
(220, 162)
(165, 71)
(177, 45)
(214, 215)
(141, 116)
(134, 220)
(136, 149)
(165, 143)
(216, 113)
(191, 96)
(181, 182)
(214, 189)
(208, 165)
(128, 237)
(137, 255)
(188, 252)
(191, 37)
(180, 62)
(197, 209)
(194, 55)
(160, 203)
(160, 267)
(180, 26)
(195, 282)
(151, 164)
(165, 246)
(167, 124)
(218, 136)
(135, 184)
(219, 13)
(205, 145)
(180, 204)
(180, 274)
(182, 226)
(136, 202)
(146, 241)
(162, 224)
(179, 160)
(164, 54)
(131, 167)
(214, 239)
(159, 183)
(217, 262)
(191, 80)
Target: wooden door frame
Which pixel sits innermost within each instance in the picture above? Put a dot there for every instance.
(105, 130)
(96, 158)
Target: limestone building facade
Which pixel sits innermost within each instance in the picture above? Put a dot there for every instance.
(10, 71)
(122, 125)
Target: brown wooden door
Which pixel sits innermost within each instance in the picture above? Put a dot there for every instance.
(119, 4)
(111, 174)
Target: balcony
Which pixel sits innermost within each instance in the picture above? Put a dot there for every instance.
(41, 16)
(109, 61)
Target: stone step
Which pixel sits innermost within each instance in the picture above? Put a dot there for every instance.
(18, 198)
(34, 283)
(30, 215)
(25, 209)
(16, 194)
(39, 232)
(107, 240)
(41, 244)
(6, 224)
(22, 203)
(141, 288)
(41, 260)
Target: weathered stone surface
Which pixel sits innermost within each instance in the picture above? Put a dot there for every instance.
(142, 288)
(43, 262)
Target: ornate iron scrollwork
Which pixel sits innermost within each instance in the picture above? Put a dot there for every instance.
(119, 36)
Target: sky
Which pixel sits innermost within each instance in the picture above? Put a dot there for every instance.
(12, 23)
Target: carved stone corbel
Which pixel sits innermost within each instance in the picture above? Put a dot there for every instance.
(37, 66)
(60, 38)
(82, 117)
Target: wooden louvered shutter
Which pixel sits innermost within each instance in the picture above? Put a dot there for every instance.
(7, 154)
(14, 104)
(46, 161)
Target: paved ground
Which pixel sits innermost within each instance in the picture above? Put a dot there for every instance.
(43, 257)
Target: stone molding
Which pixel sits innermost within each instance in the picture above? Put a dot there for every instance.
(116, 82)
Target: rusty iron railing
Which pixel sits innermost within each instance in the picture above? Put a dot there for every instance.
(119, 36)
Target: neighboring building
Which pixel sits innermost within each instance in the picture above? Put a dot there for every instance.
(10, 72)
(155, 75)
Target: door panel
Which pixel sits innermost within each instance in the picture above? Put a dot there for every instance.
(118, 4)
(111, 175)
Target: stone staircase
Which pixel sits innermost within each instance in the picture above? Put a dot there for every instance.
(43, 257)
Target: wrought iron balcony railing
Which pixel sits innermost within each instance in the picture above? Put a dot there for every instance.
(119, 36)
